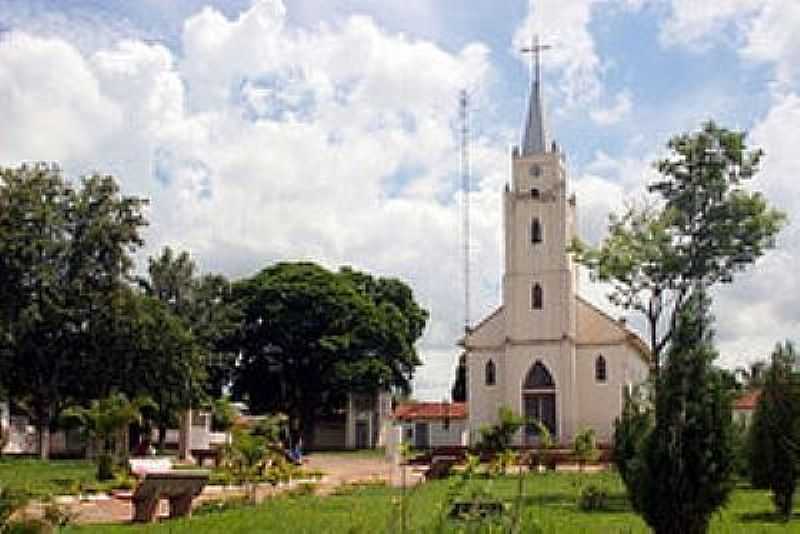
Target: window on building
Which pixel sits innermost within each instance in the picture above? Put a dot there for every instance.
(537, 297)
(600, 371)
(491, 373)
(534, 193)
(536, 231)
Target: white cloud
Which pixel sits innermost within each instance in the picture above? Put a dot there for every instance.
(565, 26)
(614, 114)
(263, 142)
(699, 24)
(52, 106)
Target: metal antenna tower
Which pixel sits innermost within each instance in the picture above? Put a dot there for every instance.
(463, 103)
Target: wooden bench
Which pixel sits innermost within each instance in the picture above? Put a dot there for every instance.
(180, 487)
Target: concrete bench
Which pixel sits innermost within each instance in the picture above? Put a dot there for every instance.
(151, 464)
(180, 487)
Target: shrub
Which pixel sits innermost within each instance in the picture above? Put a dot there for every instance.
(105, 467)
(29, 526)
(593, 498)
(584, 446)
(10, 502)
(497, 437)
(58, 515)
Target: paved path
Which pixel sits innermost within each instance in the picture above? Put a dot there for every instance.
(339, 469)
(349, 468)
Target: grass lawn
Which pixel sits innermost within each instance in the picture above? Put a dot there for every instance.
(550, 507)
(57, 477)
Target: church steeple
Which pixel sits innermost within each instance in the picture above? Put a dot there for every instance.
(534, 134)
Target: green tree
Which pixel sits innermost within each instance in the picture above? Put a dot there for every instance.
(459, 390)
(310, 335)
(205, 305)
(631, 429)
(63, 251)
(683, 473)
(704, 229)
(167, 364)
(774, 437)
(105, 422)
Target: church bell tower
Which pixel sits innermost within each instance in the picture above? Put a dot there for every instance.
(540, 278)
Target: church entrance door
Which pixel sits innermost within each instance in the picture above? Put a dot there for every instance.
(539, 407)
(539, 403)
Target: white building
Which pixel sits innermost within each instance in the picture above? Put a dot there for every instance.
(546, 352)
(427, 425)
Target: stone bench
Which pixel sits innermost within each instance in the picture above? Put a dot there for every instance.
(150, 464)
(180, 487)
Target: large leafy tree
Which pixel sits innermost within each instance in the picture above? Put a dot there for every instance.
(683, 473)
(157, 357)
(703, 227)
(310, 335)
(63, 251)
(774, 437)
(205, 305)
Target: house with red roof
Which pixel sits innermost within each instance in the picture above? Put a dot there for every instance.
(425, 425)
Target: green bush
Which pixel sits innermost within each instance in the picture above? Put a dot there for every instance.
(105, 467)
(593, 498)
(497, 437)
(10, 501)
(29, 526)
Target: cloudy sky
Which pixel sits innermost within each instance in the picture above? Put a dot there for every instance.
(325, 130)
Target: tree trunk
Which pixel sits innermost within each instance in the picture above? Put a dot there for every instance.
(162, 437)
(43, 422)
(44, 439)
(185, 436)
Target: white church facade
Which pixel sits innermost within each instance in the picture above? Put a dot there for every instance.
(545, 352)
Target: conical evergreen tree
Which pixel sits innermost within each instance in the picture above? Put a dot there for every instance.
(683, 473)
(774, 438)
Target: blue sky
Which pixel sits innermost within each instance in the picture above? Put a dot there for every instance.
(311, 129)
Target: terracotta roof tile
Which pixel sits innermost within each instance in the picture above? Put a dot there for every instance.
(430, 410)
(747, 400)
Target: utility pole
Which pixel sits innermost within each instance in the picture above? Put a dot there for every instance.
(463, 102)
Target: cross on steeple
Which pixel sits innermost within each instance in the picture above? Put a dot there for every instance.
(535, 50)
(534, 134)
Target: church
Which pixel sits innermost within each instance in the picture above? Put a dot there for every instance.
(546, 352)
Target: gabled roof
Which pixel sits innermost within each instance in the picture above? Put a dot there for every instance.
(597, 327)
(411, 411)
(489, 331)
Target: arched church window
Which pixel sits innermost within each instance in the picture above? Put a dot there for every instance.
(536, 230)
(600, 371)
(537, 297)
(490, 373)
(539, 377)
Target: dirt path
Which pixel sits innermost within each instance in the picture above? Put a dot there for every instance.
(348, 468)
